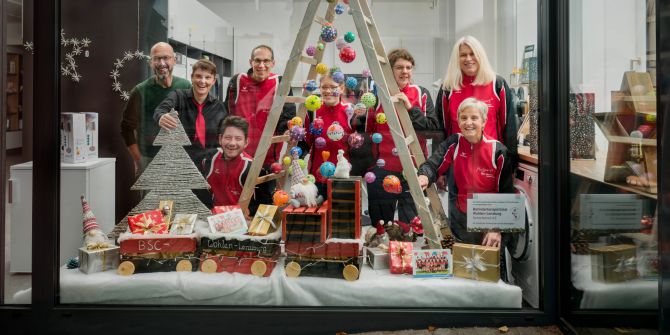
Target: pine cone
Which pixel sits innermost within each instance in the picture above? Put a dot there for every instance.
(447, 242)
(72, 263)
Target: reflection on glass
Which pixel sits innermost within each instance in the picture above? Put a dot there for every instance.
(613, 151)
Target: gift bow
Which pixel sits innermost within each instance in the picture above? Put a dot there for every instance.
(147, 224)
(265, 216)
(181, 224)
(475, 264)
(626, 264)
(402, 253)
(98, 246)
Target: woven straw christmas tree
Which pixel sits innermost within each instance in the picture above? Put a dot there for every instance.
(171, 175)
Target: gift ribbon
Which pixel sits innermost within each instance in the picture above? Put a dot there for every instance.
(402, 253)
(264, 217)
(626, 264)
(182, 223)
(475, 264)
(98, 246)
(147, 224)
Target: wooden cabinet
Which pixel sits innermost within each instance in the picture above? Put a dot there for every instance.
(13, 91)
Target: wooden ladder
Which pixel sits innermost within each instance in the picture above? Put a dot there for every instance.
(404, 137)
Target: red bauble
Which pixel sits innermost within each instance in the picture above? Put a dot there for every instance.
(347, 54)
(275, 167)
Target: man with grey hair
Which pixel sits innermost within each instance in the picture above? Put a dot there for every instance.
(138, 127)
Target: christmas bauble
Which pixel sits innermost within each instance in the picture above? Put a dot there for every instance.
(391, 184)
(311, 178)
(312, 103)
(347, 54)
(297, 133)
(381, 118)
(340, 43)
(275, 167)
(311, 85)
(325, 155)
(346, 1)
(356, 140)
(339, 9)
(351, 83)
(349, 37)
(327, 169)
(350, 111)
(369, 99)
(360, 105)
(338, 77)
(394, 151)
(301, 163)
(320, 142)
(370, 177)
(320, 46)
(280, 198)
(377, 138)
(287, 160)
(310, 50)
(366, 73)
(381, 162)
(321, 68)
(296, 121)
(650, 118)
(328, 33)
(335, 132)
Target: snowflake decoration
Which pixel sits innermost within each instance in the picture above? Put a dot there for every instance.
(76, 51)
(116, 75)
(85, 42)
(30, 47)
(69, 65)
(76, 77)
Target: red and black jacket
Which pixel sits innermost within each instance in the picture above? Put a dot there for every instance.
(226, 177)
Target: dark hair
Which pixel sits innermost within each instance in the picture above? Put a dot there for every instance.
(396, 54)
(263, 46)
(205, 65)
(234, 121)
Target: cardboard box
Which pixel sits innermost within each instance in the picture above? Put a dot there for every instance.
(378, 259)
(98, 260)
(614, 263)
(92, 126)
(476, 262)
(73, 138)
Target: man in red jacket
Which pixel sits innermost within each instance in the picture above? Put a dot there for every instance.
(250, 96)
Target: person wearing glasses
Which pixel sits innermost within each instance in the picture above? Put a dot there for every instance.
(250, 96)
(416, 99)
(138, 128)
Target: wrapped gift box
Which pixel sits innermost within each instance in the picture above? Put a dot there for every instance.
(150, 222)
(266, 220)
(614, 263)
(98, 260)
(232, 221)
(400, 257)
(377, 258)
(182, 224)
(476, 262)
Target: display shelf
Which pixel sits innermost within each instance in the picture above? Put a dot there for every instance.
(595, 170)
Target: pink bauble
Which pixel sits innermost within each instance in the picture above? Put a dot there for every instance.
(320, 142)
(366, 73)
(347, 54)
(356, 140)
(297, 133)
(310, 51)
(340, 43)
(370, 177)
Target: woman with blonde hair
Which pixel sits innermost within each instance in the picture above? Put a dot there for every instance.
(470, 75)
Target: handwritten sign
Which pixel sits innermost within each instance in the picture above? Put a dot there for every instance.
(505, 212)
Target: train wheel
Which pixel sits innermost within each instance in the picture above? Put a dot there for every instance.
(126, 268)
(259, 268)
(184, 266)
(292, 269)
(350, 272)
(208, 266)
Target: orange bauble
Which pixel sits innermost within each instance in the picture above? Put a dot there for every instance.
(392, 184)
(280, 198)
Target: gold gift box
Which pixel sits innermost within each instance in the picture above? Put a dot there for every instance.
(98, 260)
(614, 263)
(476, 262)
(266, 220)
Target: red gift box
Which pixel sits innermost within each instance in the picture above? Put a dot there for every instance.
(400, 257)
(148, 223)
(223, 209)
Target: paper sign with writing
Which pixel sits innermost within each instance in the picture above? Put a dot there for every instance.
(610, 211)
(505, 212)
(229, 222)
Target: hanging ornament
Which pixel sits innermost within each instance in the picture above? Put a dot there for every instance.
(335, 132)
(297, 133)
(349, 111)
(328, 33)
(287, 160)
(366, 73)
(296, 121)
(391, 184)
(320, 46)
(347, 54)
(377, 138)
(370, 177)
(360, 105)
(302, 164)
(296, 151)
(338, 77)
(369, 99)
(381, 162)
(310, 51)
(394, 151)
(327, 169)
(351, 83)
(325, 155)
(311, 86)
(339, 9)
(346, 1)
(312, 103)
(356, 140)
(340, 43)
(381, 118)
(275, 167)
(349, 37)
(320, 142)
(280, 198)
(321, 68)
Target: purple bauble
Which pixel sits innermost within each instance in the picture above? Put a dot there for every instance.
(366, 73)
(356, 140)
(340, 43)
(310, 51)
(370, 177)
(338, 77)
(320, 142)
(297, 133)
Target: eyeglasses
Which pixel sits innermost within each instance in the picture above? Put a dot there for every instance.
(329, 88)
(266, 62)
(400, 68)
(158, 59)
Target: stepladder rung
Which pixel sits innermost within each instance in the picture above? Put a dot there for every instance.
(320, 20)
(381, 59)
(268, 177)
(409, 139)
(294, 100)
(367, 20)
(308, 60)
(279, 139)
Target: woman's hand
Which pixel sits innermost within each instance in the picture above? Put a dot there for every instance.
(441, 183)
(167, 122)
(492, 239)
(402, 97)
(423, 181)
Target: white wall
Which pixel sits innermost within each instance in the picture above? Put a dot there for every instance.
(192, 23)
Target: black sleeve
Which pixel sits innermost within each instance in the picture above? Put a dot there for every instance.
(288, 112)
(509, 136)
(439, 109)
(430, 166)
(430, 120)
(506, 181)
(166, 105)
(131, 117)
(231, 95)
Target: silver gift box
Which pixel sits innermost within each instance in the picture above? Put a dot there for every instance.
(99, 260)
(378, 259)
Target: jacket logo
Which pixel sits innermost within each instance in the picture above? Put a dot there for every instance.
(485, 172)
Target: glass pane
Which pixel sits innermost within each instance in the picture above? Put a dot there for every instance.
(144, 176)
(18, 153)
(613, 151)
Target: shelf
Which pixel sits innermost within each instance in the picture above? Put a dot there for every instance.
(595, 170)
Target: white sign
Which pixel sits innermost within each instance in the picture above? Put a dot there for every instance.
(610, 211)
(505, 212)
